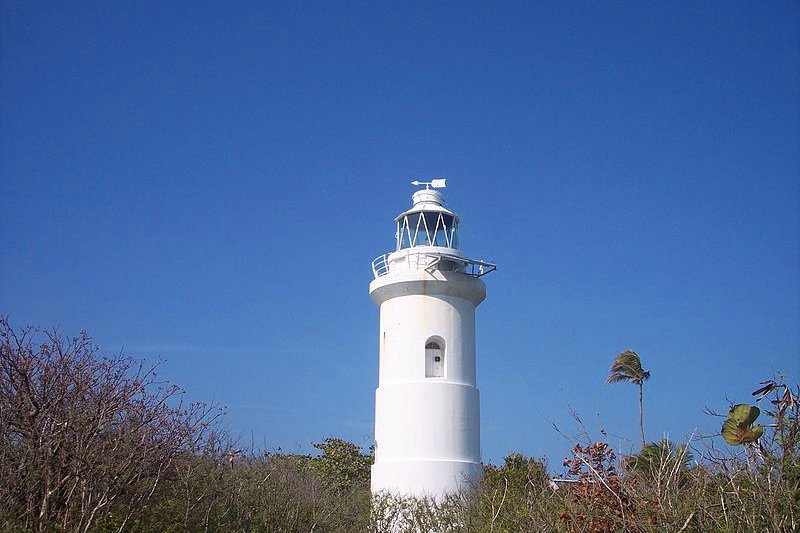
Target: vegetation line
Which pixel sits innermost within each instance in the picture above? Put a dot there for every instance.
(99, 444)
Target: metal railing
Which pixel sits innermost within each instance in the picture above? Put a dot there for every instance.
(380, 265)
(435, 261)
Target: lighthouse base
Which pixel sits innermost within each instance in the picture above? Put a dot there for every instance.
(425, 478)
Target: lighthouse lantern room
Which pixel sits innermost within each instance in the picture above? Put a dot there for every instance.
(427, 412)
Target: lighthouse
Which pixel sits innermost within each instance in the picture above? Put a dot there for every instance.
(427, 404)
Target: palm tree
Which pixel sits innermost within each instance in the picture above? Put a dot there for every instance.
(628, 367)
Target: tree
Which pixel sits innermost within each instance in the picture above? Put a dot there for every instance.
(342, 464)
(627, 366)
(84, 439)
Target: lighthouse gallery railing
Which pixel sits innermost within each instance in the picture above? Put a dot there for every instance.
(435, 261)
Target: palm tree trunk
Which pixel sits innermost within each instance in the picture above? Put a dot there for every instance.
(641, 419)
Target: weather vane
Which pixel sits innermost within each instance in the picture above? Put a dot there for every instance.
(437, 183)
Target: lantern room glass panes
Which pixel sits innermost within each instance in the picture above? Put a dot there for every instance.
(427, 229)
(430, 227)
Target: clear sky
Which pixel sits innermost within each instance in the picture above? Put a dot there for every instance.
(209, 182)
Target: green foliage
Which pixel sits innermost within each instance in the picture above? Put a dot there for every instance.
(342, 465)
(224, 492)
(658, 459)
(206, 483)
(509, 492)
(736, 433)
(738, 428)
(523, 475)
(744, 414)
(627, 367)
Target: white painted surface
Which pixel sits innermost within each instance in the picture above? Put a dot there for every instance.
(427, 429)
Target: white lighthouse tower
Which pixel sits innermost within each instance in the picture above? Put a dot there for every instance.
(427, 412)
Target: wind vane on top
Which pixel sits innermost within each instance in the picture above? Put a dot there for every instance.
(437, 183)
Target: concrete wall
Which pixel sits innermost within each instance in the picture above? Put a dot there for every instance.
(427, 429)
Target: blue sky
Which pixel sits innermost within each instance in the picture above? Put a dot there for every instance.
(209, 182)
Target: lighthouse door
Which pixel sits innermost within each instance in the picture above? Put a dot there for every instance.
(434, 360)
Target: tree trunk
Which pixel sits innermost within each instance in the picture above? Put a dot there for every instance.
(641, 418)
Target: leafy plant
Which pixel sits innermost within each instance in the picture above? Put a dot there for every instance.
(738, 429)
(627, 367)
(658, 457)
(342, 464)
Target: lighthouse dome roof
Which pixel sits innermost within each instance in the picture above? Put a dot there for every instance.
(427, 200)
